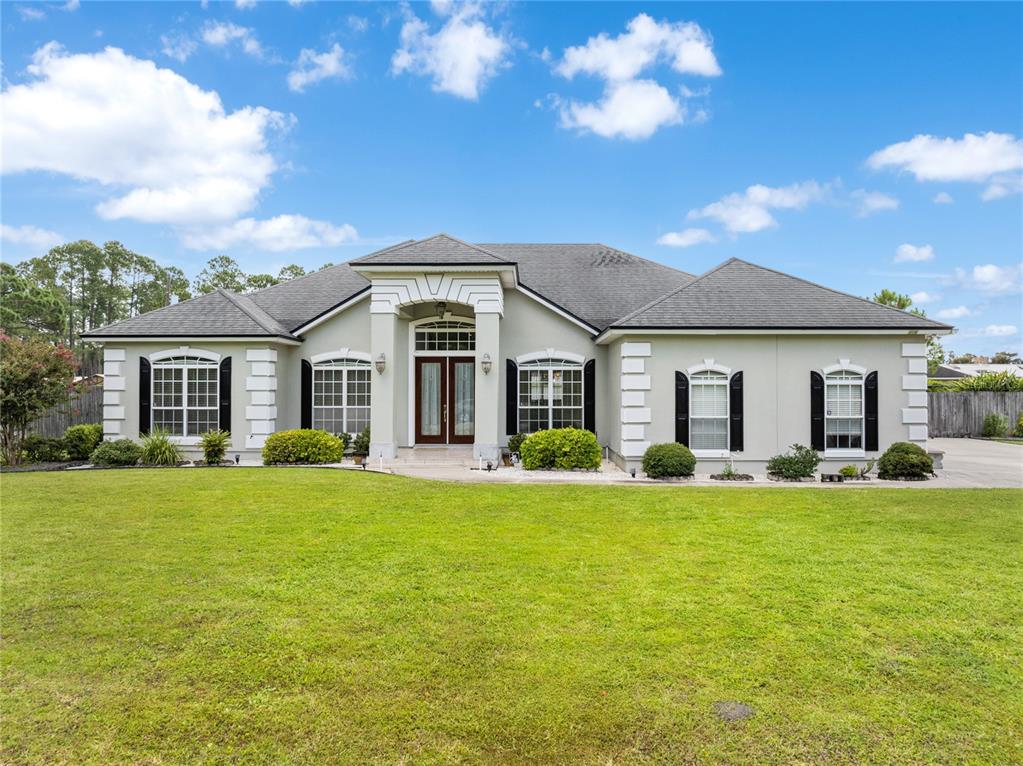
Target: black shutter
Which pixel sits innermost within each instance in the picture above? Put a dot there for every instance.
(870, 411)
(590, 396)
(224, 387)
(817, 411)
(145, 392)
(511, 397)
(735, 408)
(307, 394)
(681, 408)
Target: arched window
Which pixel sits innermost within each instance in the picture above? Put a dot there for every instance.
(341, 395)
(550, 393)
(843, 409)
(185, 390)
(446, 335)
(708, 410)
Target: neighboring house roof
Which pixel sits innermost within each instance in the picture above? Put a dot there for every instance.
(220, 313)
(741, 295)
(972, 370)
(599, 285)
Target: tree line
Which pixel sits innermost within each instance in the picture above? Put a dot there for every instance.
(79, 286)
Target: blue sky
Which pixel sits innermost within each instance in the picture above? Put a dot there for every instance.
(857, 145)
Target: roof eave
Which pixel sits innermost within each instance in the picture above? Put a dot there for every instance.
(617, 331)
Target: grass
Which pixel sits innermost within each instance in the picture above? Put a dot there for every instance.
(304, 616)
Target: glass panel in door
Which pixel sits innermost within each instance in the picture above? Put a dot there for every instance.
(464, 400)
(430, 399)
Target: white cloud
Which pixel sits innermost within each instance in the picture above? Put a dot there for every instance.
(177, 47)
(244, 5)
(943, 198)
(277, 234)
(461, 57)
(358, 23)
(312, 67)
(870, 202)
(220, 34)
(1002, 186)
(167, 148)
(957, 312)
(924, 297)
(686, 238)
(915, 253)
(974, 158)
(749, 211)
(71, 5)
(999, 330)
(990, 278)
(40, 239)
(684, 45)
(634, 109)
(29, 13)
(630, 107)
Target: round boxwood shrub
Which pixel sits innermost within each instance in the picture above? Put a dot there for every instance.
(302, 445)
(560, 449)
(81, 440)
(904, 460)
(43, 449)
(666, 460)
(120, 452)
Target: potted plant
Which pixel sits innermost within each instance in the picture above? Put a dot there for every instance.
(360, 446)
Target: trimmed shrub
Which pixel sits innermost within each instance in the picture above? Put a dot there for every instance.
(562, 449)
(671, 459)
(1019, 425)
(42, 449)
(360, 446)
(214, 446)
(515, 442)
(81, 440)
(120, 452)
(798, 463)
(995, 425)
(904, 460)
(158, 449)
(849, 471)
(302, 445)
(990, 381)
(346, 440)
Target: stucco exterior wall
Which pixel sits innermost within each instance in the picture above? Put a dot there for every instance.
(776, 385)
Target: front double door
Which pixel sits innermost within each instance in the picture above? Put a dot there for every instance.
(445, 399)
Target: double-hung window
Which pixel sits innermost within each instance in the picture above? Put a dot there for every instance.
(843, 410)
(185, 392)
(550, 394)
(708, 411)
(341, 395)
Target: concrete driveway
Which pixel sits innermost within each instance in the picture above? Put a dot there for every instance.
(978, 463)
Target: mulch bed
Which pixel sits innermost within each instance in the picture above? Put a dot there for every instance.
(731, 477)
(33, 467)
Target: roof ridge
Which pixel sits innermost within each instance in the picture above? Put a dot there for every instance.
(200, 296)
(468, 244)
(837, 292)
(254, 312)
(590, 244)
(671, 293)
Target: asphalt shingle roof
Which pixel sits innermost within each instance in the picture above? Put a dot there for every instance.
(738, 294)
(599, 285)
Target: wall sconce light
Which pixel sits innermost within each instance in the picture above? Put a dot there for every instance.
(381, 363)
(486, 364)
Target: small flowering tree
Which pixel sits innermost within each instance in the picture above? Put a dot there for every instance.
(34, 376)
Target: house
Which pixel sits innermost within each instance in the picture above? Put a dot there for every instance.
(952, 371)
(442, 342)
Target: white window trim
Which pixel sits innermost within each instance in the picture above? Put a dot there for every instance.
(347, 360)
(556, 360)
(158, 358)
(709, 366)
(844, 365)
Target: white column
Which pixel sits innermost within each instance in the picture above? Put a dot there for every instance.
(261, 386)
(635, 387)
(383, 428)
(113, 392)
(488, 387)
(914, 386)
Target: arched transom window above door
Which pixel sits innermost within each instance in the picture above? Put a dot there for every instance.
(446, 335)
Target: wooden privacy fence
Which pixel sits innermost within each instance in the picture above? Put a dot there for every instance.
(86, 407)
(962, 413)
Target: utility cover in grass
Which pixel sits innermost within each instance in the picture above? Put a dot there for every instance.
(733, 711)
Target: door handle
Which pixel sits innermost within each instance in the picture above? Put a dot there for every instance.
(445, 413)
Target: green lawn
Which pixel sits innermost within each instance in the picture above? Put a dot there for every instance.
(303, 616)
